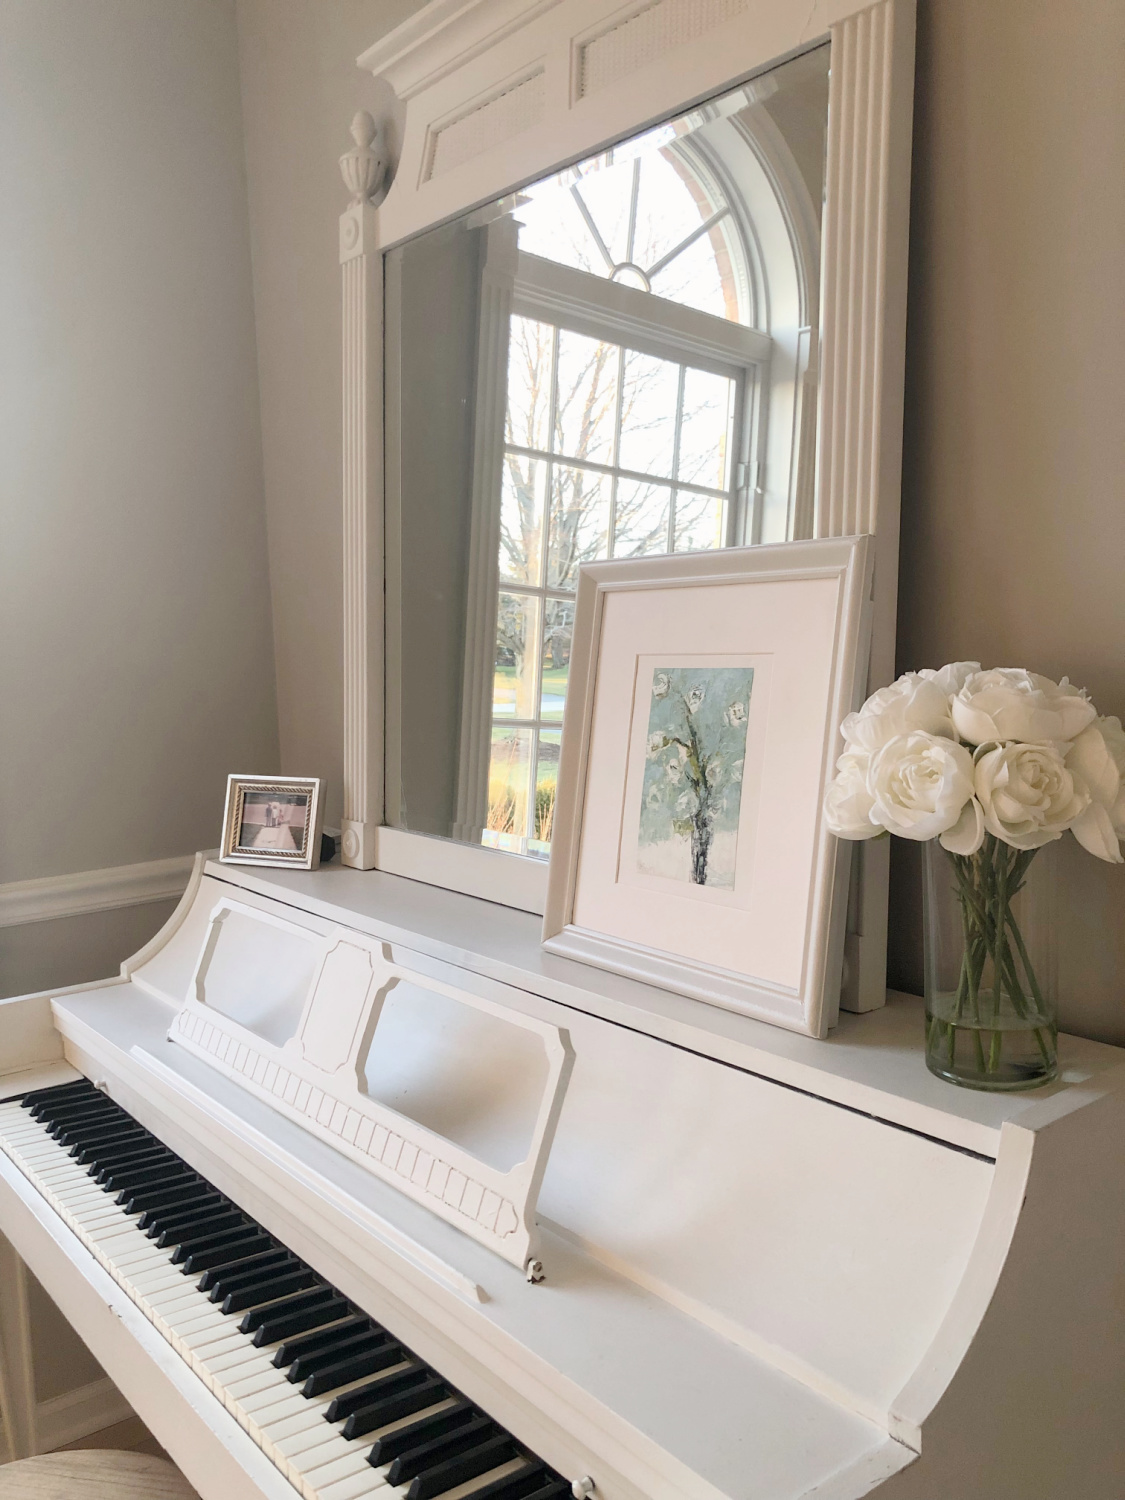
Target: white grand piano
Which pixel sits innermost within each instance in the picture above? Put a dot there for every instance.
(351, 1187)
(790, 1268)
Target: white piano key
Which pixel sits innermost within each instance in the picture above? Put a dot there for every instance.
(358, 1487)
(352, 1462)
(249, 1385)
(309, 1420)
(237, 1356)
(269, 1404)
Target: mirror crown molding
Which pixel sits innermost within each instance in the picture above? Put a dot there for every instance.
(501, 92)
(442, 37)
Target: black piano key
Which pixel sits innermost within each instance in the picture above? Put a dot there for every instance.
(224, 1254)
(85, 1116)
(133, 1155)
(167, 1181)
(222, 1280)
(288, 1320)
(68, 1134)
(407, 1439)
(163, 1214)
(192, 1225)
(311, 1343)
(387, 1385)
(268, 1313)
(164, 1197)
(536, 1482)
(53, 1108)
(468, 1465)
(117, 1135)
(154, 1174)
(295, 1281)
(426, 1392)
(436, 1450)
(81, 1086)
(216, 1239)
(354, 1367)
(352, 1341)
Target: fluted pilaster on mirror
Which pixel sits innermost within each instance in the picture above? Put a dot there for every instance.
(862, 353)
(362, 306)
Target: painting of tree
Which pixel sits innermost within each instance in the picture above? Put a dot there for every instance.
(691, 795)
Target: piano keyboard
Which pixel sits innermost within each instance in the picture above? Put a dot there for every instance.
(341, 1407)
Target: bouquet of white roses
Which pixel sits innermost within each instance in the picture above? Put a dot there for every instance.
(993, 765)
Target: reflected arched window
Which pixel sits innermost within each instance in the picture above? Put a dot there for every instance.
(644, 216)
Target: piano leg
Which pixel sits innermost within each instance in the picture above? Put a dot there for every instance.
(17, 1373)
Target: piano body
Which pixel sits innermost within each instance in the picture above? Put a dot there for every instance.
(790, 1268)
(354, 1191)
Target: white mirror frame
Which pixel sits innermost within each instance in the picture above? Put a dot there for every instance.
(498, 93)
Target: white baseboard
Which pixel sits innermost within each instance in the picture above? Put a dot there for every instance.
(76, 1414)
(24, 901)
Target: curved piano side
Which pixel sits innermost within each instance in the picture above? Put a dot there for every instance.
(1022, 1393)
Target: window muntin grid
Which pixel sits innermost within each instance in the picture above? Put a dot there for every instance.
(608, 453)
(643, 215)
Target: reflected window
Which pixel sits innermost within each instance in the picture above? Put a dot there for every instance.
(608, 452)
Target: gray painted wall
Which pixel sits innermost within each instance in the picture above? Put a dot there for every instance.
(136, 664)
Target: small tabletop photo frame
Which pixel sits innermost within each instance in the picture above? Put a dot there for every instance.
(273, 820)
(700, 731)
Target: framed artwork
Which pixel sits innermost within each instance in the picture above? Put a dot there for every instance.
(273, 820)
(701, 727)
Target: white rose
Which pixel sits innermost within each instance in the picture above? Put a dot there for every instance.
(660, 684)
(695, 698)
(847, 802)
(913, 702)
(1011, 704)
(919, 785)
(735, 714)
(967, 834)
(655, 745)
(1028, 795)
(952, 677)
(1096, 761)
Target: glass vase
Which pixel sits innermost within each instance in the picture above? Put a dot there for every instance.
(991, 966)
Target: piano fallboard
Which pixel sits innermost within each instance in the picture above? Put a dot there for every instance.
(761, 1282)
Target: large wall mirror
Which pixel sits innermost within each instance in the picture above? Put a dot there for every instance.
(638, 286)
(619, 359)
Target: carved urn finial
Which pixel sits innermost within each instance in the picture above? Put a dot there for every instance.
(362, 167)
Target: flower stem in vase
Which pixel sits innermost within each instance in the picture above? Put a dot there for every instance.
(990, 1019)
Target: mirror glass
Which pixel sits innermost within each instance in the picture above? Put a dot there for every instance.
(617, 361)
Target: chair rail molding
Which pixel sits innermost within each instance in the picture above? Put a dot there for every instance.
(55, 896)
(498, 93)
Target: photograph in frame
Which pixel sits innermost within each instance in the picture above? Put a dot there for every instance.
(274, 821)
(700, 732)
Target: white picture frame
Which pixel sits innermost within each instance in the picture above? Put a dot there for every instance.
(784, 631)
(299, 821)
